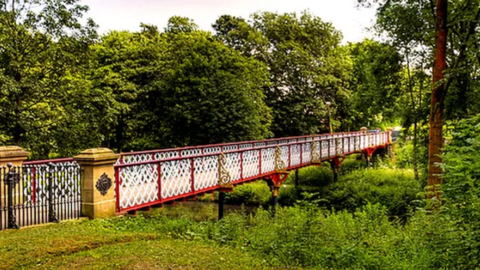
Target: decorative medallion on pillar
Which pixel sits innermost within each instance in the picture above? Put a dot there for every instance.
(104, 183)
(224, 178)
(279, 164)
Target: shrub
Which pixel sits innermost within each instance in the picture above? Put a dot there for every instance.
(396, 189)
(352, 163)
(461, 193)
(254, 193)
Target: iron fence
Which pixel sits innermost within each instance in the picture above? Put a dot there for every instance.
(37, 193)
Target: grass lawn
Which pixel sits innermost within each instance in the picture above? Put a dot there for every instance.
(86, 245)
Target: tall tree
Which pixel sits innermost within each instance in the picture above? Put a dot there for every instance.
(43, 54)
(125, 64)
(424, 26)
(206, 93)
(306, 64)
(438, 96)
(376, 82)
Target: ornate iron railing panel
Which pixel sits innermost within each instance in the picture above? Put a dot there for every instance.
(153, 177)
(39, 192)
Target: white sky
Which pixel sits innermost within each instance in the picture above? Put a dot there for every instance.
(128, 14)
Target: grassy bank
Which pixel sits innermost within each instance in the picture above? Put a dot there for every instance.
(135, 244)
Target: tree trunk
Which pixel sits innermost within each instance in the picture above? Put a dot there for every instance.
(437, 102)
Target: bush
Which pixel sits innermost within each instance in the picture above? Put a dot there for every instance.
(461, 193)
(352, 163)
(312, 176)
(254, 193)
(305, 236)
(396, 189)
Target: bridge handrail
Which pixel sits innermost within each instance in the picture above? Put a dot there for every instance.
(122, 165)
(179, 150)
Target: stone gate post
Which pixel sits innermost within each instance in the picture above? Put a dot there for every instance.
(16, 156)
(98, 193)
(12, 154)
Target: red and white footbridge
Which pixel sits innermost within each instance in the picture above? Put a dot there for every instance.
(149, 178)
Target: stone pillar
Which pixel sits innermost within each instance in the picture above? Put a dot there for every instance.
(98, 193)
(12, 154)
(16, 156)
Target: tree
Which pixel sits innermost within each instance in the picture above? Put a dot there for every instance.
(43, 55)
(306, 65)
(206, 93)
(423, 27)
(376, 82)
(125, 64)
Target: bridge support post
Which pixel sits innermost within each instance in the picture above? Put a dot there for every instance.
(275, 182)
(335, 165)
(296, 179)
(221, 201)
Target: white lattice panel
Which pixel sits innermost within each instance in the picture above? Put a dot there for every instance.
(176, 178)
(136, 158)
(66, 180)
(250, 163)
(260, 144)
(229, 148)
(212, 150)
(268, 160)
(246, 146)
(232, 165)
(191, 152)
(285, 155)
(282, 142)
(295, 155)
(166, 155)
(138, 185)
(324, 149)
(206, 172)
(306, 152)
(332, 147)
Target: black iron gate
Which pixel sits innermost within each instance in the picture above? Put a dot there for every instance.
(40, 193)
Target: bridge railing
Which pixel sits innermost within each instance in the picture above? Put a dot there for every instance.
(163, 154)
(153, 177)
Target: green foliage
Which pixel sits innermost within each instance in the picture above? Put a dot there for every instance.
(109, 244)
(208, 93)
(306, 65)
(352, 163)
(396, 189)
(255, 193)
(376, 68)
(461, 192)
(44, 96)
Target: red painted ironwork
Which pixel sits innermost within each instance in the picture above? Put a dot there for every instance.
(155, 177)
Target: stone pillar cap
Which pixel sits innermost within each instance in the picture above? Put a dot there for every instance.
(13, 152)
(96, 156)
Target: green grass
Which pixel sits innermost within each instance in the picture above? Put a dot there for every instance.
(114, 244)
